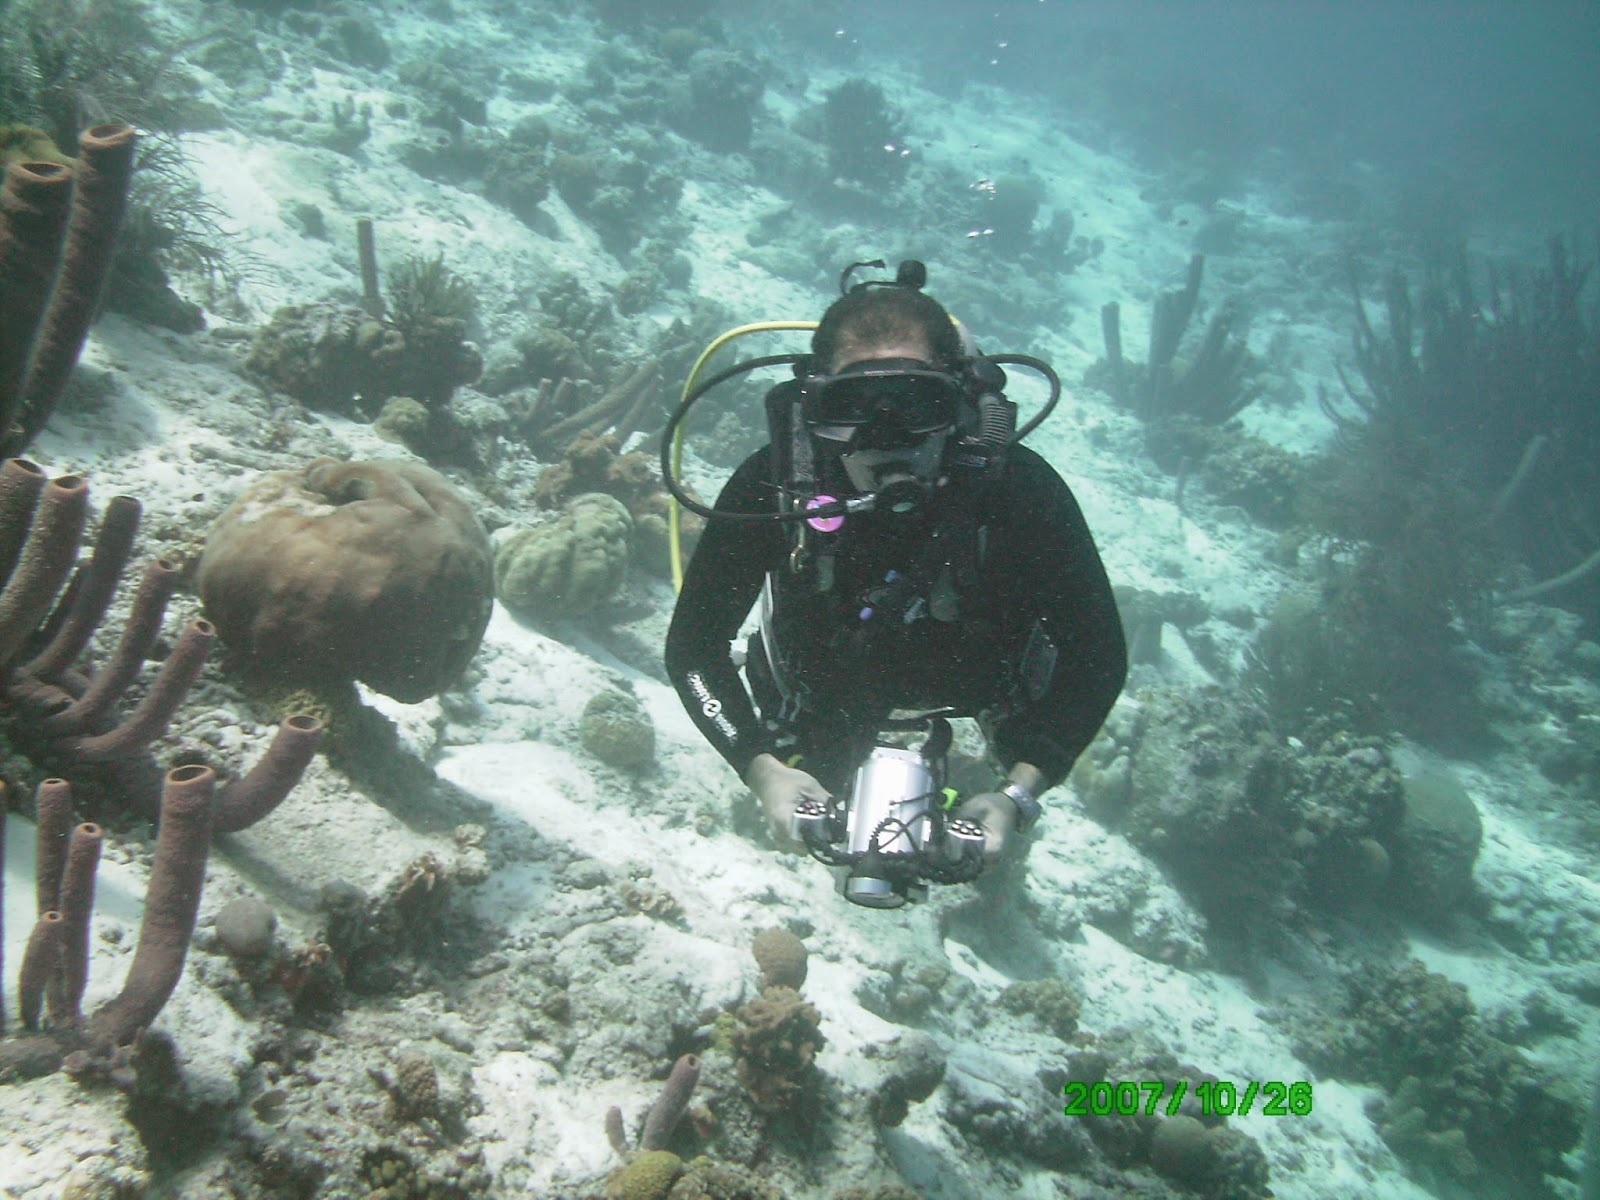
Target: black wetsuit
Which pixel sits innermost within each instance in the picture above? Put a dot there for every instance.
(993, 603)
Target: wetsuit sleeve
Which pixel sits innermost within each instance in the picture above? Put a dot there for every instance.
(1063, 593)
(720, 586)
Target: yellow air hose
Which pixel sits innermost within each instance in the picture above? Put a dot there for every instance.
(674, 510)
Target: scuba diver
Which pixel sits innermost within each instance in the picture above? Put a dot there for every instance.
(909, 556)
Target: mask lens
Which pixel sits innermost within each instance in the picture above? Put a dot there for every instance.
(918, 401)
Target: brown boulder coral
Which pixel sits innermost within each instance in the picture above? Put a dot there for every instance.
(373, 571)
(782, 958)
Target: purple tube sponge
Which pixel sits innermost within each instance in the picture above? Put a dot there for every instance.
(171, 904)
(669, 1107)
(100, 183)
(245, 801)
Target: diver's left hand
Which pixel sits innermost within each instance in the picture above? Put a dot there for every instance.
(998, 816)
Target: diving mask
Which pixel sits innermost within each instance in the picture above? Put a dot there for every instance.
(887, 421)
(884, 393)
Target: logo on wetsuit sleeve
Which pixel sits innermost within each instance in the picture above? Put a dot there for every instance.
(711, 706)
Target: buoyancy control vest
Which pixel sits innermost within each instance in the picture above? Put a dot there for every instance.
(892, 613)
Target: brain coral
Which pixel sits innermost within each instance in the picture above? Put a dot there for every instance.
(616, 729)
(569, 566)
(373, 571)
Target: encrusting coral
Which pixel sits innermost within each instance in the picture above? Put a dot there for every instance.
(647, 1176)
(776, 1043)
(373, 571)
(57, 229)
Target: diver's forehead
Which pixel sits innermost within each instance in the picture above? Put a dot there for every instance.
(855, 350)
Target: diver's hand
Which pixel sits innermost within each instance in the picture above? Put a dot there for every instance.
(780, 789)
(998, 816)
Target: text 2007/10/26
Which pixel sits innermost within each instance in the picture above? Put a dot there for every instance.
(1213, 1097)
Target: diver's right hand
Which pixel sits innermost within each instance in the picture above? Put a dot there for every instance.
(780, 789)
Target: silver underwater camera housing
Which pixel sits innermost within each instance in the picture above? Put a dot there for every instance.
(894, 838)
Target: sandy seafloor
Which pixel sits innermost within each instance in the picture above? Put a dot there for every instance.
(177, 421)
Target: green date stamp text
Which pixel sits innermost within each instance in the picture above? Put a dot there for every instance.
(1216, 1098)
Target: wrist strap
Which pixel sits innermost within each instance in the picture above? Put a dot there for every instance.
(1025, 802)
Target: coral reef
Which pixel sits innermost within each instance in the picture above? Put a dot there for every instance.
(1236, 468)
(1214, 1161)
(1010, 206)
(41, 341)
(594, 463)
(566, 567)
(863, 134)
(391, 1173)
(1247, 820)
(643, 896)
(171, 227)
(1381, 635)
(1464, 1108)
(915, 1071)
(776, 1043)
(1436, 845)
(703, 1179)
(517, 175)
(1051, 1002)
(1485, 376)
(373, 571)
(620, 407)
(331, 355)
(64, 60)
(720, 100)
(613, 187)
(1196, 1149)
